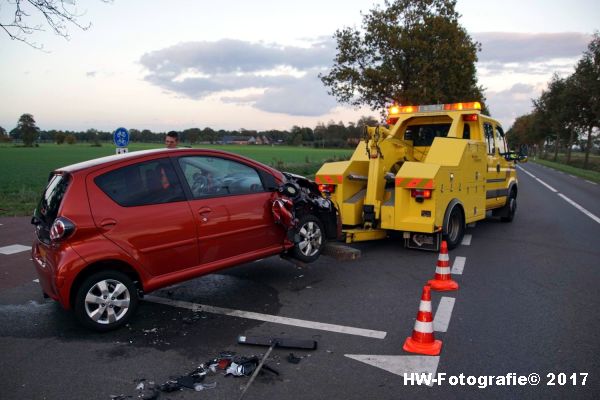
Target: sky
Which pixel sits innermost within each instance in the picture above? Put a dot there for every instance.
(172, 65)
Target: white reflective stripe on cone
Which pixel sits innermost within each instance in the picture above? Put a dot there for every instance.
(424, 327)
(425, 306)
(444, 257)
(442, 270)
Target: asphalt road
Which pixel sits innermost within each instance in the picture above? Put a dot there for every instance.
(527, 304)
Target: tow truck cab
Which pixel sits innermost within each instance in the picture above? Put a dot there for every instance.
(431, 171)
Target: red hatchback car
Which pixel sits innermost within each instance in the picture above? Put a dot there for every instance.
(111, 229)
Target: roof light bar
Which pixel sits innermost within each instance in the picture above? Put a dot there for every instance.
(397, 109)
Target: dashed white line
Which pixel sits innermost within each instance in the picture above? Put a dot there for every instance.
(466, 240)
(458, 266)
(269, 318)
(545, 184)
(577, 206)
(36, 280)
(13, 249)
(568, 200)
(593, 183)
(441, 320)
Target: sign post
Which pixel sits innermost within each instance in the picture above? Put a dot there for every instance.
(121, 139)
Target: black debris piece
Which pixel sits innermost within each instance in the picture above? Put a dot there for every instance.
(293, 359)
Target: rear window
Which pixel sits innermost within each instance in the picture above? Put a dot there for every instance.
(152, 182)
(47, 208)
(423, 135)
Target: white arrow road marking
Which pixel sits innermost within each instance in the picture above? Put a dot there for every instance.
(268, 318)
(400, 365)
(13, 249)
(443, 314)
(458, 266)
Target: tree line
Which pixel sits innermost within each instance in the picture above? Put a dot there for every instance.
(567, 113)
(331, 134)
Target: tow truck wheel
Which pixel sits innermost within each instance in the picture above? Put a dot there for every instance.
(309, 240)
(510, 207)
(455, 230)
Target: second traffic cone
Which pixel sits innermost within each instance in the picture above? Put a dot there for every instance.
(443, 279)
(422, 340)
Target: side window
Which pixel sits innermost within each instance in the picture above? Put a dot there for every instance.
(213, 176)
(152, 182)
(489, 137)
(501, 140)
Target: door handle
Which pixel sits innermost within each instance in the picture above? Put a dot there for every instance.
(108, 223)
(203, 212)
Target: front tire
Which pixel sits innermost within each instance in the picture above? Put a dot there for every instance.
(510, 208)
(106, 300)
(455, 229)
(309, 239)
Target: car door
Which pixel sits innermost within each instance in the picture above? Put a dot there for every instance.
(231, 208)
(496, 176)
(142, 208)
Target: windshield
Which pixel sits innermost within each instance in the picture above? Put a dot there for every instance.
(423, 135)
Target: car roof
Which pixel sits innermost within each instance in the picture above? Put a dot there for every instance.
(118, 158)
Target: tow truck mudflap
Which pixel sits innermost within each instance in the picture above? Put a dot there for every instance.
(422, 241)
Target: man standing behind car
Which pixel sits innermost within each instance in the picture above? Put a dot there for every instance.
(172, 140)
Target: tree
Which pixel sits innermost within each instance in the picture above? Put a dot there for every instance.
(3, 135)
(56, 14)
(29, 131)
(408, 51)
(586, 83)
(60, 137)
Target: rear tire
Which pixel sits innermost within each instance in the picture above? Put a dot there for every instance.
(455, 228)
(106, 300)
(309, 239)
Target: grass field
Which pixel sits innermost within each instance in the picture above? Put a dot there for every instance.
(24, 171)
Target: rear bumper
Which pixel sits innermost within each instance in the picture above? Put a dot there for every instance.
(56, 268)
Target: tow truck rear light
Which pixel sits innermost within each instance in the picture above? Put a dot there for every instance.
(61, 229)
(324, 188)
(420, 194)
(470, 117)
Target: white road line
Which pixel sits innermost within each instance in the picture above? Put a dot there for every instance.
(527, 172)
(577, 206)
(13, 249)
(466, 240)
(593, 183)
(269, 318)
(441, 320)
(458, 266)
(568, 200)
(400, 365)
(36, 280)
(545, 184)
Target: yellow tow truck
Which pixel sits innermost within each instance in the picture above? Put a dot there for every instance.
(429, 173)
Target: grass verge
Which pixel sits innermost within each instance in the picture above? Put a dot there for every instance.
(593, 176)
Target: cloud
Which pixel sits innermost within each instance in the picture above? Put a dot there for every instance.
(284, 78)
(91, 74)
(510, 47)
(507, 105)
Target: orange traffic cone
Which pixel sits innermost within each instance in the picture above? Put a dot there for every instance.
(422, 340)
(443, 279)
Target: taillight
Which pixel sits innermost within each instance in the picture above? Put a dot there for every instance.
(420, 194)
(469, 117)
(61, 229)
(324, 188)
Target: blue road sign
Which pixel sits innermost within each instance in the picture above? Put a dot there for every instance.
(121, 137)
